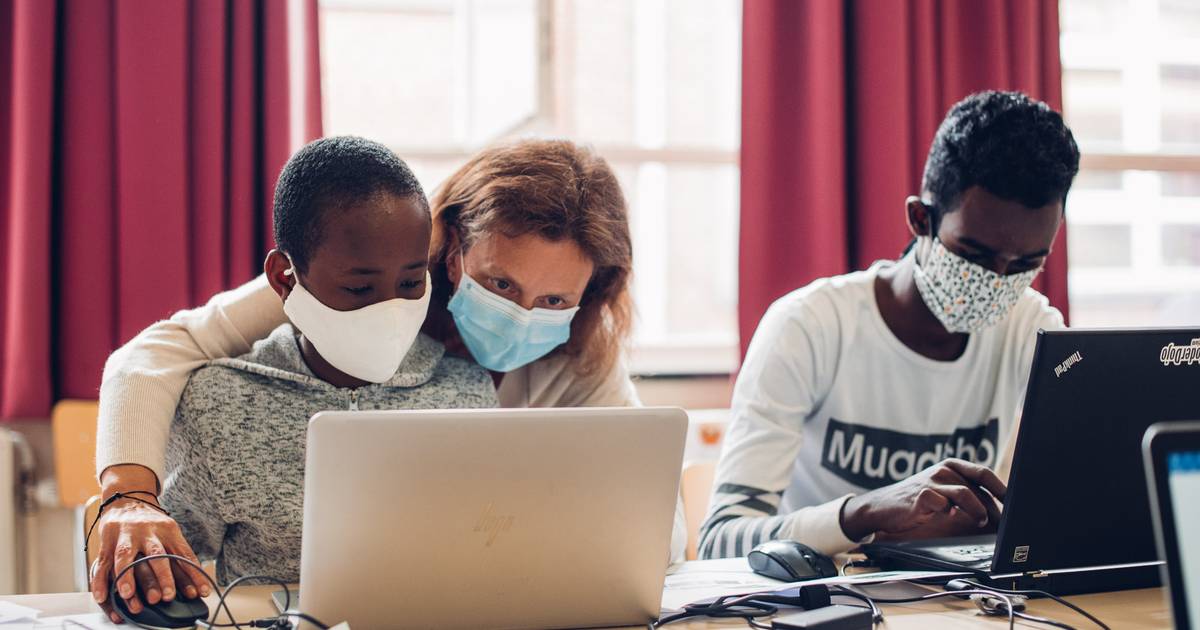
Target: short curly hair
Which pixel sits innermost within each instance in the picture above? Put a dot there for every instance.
(331, 174)
(1012, 146)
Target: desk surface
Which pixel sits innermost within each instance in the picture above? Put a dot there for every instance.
(1126, 610)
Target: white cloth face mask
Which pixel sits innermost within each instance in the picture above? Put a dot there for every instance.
(964, 296)
(368, 343)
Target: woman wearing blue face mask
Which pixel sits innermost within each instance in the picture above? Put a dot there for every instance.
(530, 262)
(531, 259)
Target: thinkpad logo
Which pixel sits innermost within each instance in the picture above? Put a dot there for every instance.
(492, 524)
(872, 458)
(1180, 355)
(1066, 365)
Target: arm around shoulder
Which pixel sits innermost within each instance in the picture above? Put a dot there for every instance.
(144, 379)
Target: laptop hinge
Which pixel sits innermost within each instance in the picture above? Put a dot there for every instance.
(1036, 574)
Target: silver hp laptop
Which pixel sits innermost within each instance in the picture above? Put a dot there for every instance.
(1172, 455)
(532, 518)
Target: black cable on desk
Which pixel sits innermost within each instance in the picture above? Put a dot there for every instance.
(1009, 608)
(280, 621)
(1030, 592)
(1043, 620)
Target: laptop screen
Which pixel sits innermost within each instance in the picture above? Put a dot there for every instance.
(1183, 479)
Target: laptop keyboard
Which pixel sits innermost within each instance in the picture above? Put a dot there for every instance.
(966, 553)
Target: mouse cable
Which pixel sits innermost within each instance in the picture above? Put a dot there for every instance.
(1042, 593)
(279, 622)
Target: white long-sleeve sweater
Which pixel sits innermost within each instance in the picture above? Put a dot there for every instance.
(829, 403)
(144, 379)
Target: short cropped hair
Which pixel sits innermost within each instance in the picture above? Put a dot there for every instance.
(330, 174)
(1012, 146)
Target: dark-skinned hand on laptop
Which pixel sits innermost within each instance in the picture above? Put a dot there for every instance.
(951, 498)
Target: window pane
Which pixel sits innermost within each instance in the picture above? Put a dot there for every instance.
(653, 73)
(702, 208)
(1180, 18)
(1090, 17)
(1097, 180)
(385, 74)
(600, 64)
(1099, 246)
(1131, 82)
(1181, 185)
(1181, 245)
(1092, 101)
(703, 73)
(654, 85)
(1135, 250)
(428, 74)
(1181, 105)
(432, 172)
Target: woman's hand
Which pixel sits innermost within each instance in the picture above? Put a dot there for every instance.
(127, 528)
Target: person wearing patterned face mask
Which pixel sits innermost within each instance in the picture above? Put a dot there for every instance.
(880, 403)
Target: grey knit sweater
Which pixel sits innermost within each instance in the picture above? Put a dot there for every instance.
(235, 455)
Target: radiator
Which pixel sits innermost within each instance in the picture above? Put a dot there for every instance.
(16, 513)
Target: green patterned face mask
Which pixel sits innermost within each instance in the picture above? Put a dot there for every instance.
(964, 296)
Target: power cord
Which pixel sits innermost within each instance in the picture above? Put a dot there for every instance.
(1041, 593)
(976, 590)
(753, 606)
(279, 622)
(876, 614)
(1008, 608)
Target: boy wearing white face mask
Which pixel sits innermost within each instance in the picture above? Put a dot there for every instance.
(878, 403)
(353, 227)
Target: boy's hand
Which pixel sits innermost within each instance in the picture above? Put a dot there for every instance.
(950, 496)
(128, 529)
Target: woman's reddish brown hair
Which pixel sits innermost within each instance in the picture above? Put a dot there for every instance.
(557, 190)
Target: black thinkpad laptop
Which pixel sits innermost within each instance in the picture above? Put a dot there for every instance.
(1077, 517)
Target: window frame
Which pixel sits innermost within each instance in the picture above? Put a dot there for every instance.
(551, 116)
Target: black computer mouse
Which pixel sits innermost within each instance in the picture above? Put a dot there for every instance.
(790, 561)
(177, 613)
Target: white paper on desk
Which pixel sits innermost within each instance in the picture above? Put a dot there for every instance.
(87, 621)
(707, 579)
(704, 579)
(11, 613)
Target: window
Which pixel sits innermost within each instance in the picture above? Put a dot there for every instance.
(1131, 91)
(653, 85)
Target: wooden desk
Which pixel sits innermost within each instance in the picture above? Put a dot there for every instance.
(1133, 610)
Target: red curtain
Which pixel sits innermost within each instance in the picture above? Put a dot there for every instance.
(840, 101)
(141, 144)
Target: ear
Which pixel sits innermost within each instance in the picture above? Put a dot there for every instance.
(918, 216)
(454, 260)
(278, 269)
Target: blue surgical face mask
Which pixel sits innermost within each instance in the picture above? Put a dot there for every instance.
(500, 334)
